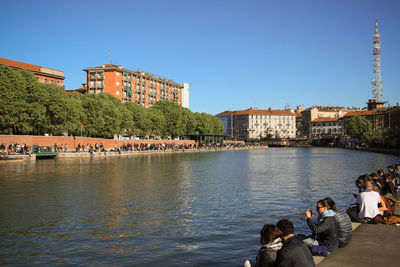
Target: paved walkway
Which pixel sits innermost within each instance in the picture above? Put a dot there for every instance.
(371, 245)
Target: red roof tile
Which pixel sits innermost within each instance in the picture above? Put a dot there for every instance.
(226, 113)
(252, 111)
(19, 65)
(360, 113)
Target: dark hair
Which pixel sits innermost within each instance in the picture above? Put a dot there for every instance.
(331, 203)
(387, 176)
(373, 175)
(367, 178)
(269, 233)
(360, 180)
(286, 227)
(323, 203)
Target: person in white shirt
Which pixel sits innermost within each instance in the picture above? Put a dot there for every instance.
(368, 204)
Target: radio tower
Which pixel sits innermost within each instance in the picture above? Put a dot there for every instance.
(377, 90)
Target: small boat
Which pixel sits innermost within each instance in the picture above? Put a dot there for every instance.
(44, 152)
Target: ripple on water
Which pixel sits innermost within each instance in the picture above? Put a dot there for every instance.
(185, 209)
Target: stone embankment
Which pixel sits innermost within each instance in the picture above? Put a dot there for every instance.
(371, 245)
(149, 152)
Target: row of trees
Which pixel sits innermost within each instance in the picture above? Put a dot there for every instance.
(30, 107)
(361, 128)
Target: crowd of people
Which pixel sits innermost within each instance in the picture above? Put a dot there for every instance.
(128, 147)
(377, 197)
(17, 148)
(331, 229)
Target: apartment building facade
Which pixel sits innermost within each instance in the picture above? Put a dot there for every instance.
(42, 74)
(327, 126)
(136, 86)
(315, 112)
(376, 117)
(256, 124)
(227, 119)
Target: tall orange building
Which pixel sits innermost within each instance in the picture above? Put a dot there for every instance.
(136, 86)
(42, 74)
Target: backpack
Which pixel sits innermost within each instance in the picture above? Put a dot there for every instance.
(391, 220)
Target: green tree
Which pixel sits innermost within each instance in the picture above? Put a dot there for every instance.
(174, 126)
(127, 125)
(75, 115)
(218, 126)
(356, 126)
(158, 121)
(189, 119)
(141, 119)
(204, 124)
(14, 108)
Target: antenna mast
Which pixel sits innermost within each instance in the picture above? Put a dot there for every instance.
(377, 90)
(109, 56)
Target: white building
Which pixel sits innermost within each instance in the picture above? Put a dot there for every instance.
(185, 95)
(252, 124)
(327, 126)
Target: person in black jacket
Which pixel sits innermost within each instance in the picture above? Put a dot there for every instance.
(325, 231)
(294, 252)
(271, 241)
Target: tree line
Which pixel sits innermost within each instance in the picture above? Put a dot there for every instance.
(30, 107)
(362, 129)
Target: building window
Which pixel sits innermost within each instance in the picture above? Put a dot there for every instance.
(117, 73)
(45, 80)
(117, 92)
(117, 83)
(58, 83)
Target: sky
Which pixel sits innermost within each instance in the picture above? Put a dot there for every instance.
(235, 54)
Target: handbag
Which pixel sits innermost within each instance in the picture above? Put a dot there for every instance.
(319, 250)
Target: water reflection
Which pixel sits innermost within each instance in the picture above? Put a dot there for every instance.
(166, 209)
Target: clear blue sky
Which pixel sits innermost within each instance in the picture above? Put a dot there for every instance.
(236, 54)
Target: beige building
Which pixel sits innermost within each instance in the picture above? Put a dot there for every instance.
(255, 124)
(327, 126)
(315, 112)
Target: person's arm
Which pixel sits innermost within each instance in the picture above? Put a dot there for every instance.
(323, 226)
(383, 204)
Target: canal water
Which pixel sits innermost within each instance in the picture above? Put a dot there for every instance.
(186, 209)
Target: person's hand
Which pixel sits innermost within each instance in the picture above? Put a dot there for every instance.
(309, 213)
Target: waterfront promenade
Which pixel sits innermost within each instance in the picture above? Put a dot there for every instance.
(371, 245)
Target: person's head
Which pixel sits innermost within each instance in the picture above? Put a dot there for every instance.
(269, 233)
(381, 172)
(286, 227)
(387, 178)
(331, 204)
(390, 169)
(322, 206)
(373, 175)
(367, 178)
(368, 187)
(397, 167)
(360, 181)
